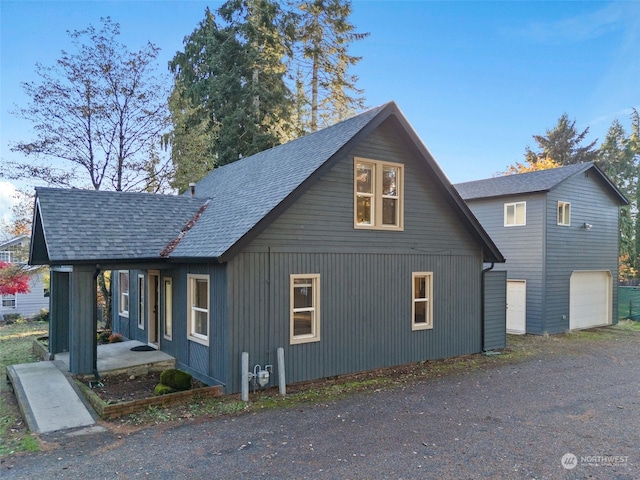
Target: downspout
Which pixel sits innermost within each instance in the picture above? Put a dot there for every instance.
(95, 322)
(482, 280)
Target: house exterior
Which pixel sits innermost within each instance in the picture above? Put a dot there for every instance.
(348, 248)
(27, 304)
(558, 230)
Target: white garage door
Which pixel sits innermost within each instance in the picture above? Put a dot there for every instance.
(590, 299)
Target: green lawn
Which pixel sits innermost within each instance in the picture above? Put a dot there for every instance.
(15, 347)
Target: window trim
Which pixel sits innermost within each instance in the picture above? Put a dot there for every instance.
(428, 325)
(566, 206)
(377, 167)
(515, 214)
(121, 294)
(9, 297)
(167, 319)
(315, 327)
(141, 302)
(192, 309)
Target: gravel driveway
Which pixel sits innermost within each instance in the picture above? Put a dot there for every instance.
(576, 397)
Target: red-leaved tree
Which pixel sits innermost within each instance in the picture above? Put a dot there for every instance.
(13, 279)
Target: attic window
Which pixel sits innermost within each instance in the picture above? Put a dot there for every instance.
(515, 214)
(378, 202)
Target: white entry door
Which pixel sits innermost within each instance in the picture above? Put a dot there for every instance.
(516, 306)
(590, 299)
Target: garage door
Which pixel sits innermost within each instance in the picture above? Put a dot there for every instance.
(590, 299)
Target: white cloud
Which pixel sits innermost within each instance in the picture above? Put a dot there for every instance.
(7, 200)
(583, 27)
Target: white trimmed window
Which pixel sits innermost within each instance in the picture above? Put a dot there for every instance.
(198, 314)
(515, 214)
(564, 214)
(141, 293)
(422, 293)
(123, 293)
(168, 308)
(378, 202)
(9, 301)
(305, 308)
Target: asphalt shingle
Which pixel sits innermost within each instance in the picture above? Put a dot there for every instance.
(530, 182)
(85, 225)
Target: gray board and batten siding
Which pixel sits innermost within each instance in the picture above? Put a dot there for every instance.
(290, 210)
(543, 253)
(365, 276)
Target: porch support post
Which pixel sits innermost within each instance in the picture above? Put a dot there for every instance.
(82, 331)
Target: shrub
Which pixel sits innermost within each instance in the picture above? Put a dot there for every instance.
(103, 336)
(10, 318)
(162, 390)
(43, 316)
(176, 379)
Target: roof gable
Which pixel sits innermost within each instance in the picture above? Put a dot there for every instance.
(231, 206)
(87, 225)
(532, 182)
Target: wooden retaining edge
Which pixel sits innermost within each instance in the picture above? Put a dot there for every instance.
(109, 411)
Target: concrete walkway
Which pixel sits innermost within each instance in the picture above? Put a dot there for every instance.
(46, 398)
(49, 399)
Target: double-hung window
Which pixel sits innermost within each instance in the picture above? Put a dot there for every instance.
(564, 214)
(9, 301)
(305, 308)
(378, 202)
(515, 214)
(198, 314)
(422, 291)
(123, 293)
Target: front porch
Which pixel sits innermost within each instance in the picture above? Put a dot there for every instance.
(116, 358)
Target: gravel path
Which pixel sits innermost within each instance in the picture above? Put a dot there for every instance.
(509, 421)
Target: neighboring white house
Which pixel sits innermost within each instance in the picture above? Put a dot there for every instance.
(26, 304)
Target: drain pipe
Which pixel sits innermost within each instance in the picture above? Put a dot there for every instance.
(482, 301)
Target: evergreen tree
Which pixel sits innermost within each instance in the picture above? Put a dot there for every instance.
(563, 144)
(616, 158)
(324, 35)
(230, 98)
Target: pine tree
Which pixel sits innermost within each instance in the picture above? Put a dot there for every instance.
(230, 98)
(563, 144)
(324, 35)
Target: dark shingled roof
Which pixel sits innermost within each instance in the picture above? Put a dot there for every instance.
(530, 182)
(231, 205)
(244, 192)
(88, 225)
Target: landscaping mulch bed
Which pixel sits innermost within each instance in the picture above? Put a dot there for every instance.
(126, 388)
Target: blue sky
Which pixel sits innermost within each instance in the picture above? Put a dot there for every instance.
(475, 79)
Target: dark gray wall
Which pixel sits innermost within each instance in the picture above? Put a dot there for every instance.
(522, 246)
(60, 301)
(208, 364)
(545, 254)
(495, 311)
(576, 248)
(365, 310)
(365, 278)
